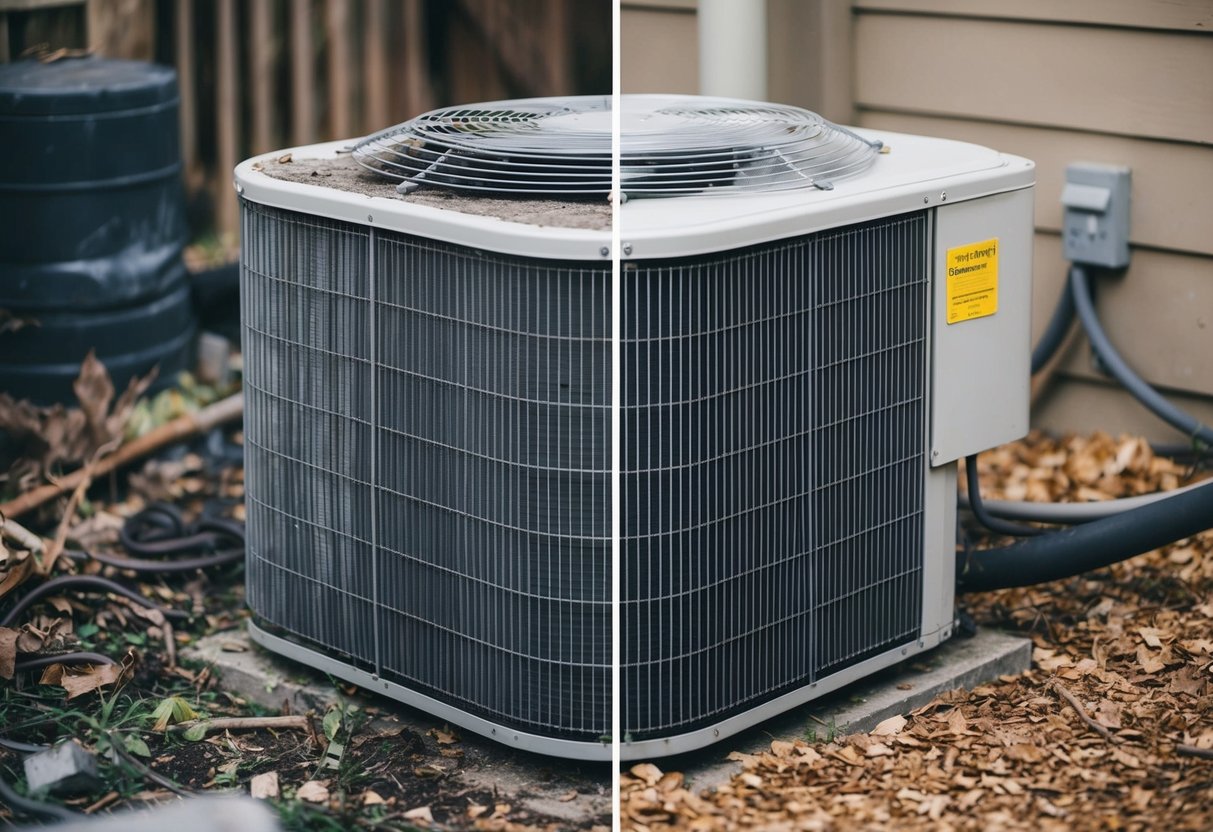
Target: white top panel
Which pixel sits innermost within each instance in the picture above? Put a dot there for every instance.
(481, 232)
(916, 173)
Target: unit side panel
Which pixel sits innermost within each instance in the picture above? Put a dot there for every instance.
(774, 407)
(492, 483)
(427, 445)
(981, 366)
(307, 430)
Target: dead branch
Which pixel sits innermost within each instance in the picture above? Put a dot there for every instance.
(65, 522)
(1078, 709)
(1194, 751)
(20, 535)
(245, 723)
(183, 427)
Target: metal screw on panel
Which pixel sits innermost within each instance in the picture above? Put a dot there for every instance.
(943, 197)
(627, 248)
(905, 650)
(604, 251)
(926, 200)
(934, 454)
(239, 188)
(370, 217)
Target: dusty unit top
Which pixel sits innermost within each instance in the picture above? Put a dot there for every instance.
(700, 175)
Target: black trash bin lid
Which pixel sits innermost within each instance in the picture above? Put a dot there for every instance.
(83, 85)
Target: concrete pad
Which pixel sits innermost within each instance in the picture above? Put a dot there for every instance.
(959, 663)
(543, 786)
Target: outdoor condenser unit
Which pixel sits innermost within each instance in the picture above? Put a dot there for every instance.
(816, 324)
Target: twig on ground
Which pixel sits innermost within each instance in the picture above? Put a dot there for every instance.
(245, 723)
(21, 535)
(65, 522)
(105, 800)
(1078, 709)
(182, 427)
(1185, 750)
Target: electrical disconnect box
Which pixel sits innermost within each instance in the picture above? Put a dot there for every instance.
(1096, 227)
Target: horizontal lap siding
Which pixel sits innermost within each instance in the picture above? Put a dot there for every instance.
(1115, 82)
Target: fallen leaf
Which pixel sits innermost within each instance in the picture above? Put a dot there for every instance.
(8, 652)
(81, 679)
(313, 791)
(264, 786)
(444, 737)
(890, 727)
(372, 798)
(1150, 664)
(422, 813)
(567, 796)
(647, 772)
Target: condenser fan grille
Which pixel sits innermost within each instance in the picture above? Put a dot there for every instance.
(671, 145)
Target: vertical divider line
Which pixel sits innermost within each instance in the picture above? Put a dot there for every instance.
(616, 432)
(376, 612)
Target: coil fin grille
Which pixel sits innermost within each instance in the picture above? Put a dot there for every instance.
(774, 442)
(426, 448)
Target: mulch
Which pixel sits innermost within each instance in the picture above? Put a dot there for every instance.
(1112, 728)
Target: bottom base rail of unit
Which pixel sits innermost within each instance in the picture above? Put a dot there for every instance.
(512, 737)
(701, 738)
(599, 751)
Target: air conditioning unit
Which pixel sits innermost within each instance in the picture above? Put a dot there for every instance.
(816, 324)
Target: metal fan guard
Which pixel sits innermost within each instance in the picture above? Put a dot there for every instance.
(671, 146)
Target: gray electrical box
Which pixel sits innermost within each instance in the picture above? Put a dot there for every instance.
(1096, 228)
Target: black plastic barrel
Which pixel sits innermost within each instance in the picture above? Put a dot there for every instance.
(92, 223)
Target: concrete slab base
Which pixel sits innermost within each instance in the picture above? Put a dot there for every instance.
(959, 663)
(543, 784)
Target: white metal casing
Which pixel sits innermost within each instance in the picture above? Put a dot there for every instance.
(978, 368)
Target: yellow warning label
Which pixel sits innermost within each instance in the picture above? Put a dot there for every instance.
(972, 281)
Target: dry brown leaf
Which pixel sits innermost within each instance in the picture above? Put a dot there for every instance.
(372, 798)
(78, 680)
(1108, 714)
(313, 791)
(567, 796)
(890, 727)
(475, 810)
(1149, 663)
(444, 736)
(264, 786)
(421, 813)
(647, 772)
(8, 652)
(15, 568)
(46, 438)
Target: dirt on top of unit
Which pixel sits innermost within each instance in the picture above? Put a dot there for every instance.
(344, 174)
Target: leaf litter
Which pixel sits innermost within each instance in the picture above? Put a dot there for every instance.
(1131, 645)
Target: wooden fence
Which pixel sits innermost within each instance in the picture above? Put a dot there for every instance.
(256, 75)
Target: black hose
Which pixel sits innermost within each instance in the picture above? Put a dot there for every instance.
(1055, 333)
(160, 566)
(63, 658)
(159, 532)
(21, 747)
(1079, 549)
(34, 808)
(92, 583)
(1143, 392)
(994, 524)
